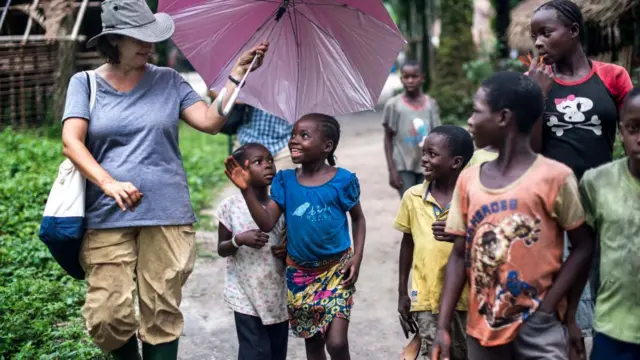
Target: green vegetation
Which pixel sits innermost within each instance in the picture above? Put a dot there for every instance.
(451, 88)
(39, 305)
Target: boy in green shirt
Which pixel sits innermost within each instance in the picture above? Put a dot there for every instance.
(611, 199)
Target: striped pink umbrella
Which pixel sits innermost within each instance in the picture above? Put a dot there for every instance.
(325, 56)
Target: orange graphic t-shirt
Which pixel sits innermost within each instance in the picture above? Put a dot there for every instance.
(514, 241)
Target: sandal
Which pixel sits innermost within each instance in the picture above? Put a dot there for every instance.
(412, 350)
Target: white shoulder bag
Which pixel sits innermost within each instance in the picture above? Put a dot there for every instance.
(63, 224)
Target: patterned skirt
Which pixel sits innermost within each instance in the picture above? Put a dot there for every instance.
(315, 295)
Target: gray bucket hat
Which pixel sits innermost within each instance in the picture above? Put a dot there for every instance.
(133, 18)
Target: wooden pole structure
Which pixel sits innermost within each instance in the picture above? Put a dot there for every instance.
(27, 31)
(4, 12)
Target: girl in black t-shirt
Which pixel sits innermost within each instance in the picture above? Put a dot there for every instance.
(582, 96)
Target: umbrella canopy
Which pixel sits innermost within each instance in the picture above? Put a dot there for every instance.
(325, 56)
(603, 12)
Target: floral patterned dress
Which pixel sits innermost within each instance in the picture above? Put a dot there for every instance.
(255, 282)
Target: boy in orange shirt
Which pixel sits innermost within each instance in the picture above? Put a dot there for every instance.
(509, 216)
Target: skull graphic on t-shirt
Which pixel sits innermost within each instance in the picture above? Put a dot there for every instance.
(574, 110)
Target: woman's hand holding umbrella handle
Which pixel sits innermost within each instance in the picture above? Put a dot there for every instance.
(249, 61)
(246, 61)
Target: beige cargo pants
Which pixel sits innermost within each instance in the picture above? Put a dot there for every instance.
(155, 261)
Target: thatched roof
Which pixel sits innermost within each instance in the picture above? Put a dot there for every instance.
(604, 12)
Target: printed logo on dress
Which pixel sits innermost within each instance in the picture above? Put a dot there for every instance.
(574, 109)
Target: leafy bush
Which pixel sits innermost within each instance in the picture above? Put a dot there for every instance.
(203, 156)
(39, 305)
(477, 71)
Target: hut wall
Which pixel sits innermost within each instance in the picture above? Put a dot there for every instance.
(27, 79)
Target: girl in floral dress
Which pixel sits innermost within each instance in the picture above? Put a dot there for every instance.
(255, 285)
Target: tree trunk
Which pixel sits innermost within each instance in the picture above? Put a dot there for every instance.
(501, 25)
(451, 88)
(425, 46)
(65, 67)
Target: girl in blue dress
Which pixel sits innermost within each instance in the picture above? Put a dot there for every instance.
(321, 266)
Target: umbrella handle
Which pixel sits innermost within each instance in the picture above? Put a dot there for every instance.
(232, 100)
(236, 92)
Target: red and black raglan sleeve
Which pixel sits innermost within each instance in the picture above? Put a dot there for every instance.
(616, 79)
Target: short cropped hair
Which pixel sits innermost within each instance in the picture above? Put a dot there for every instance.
(518, 93)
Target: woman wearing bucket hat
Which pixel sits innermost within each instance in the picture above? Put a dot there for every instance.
(127, 148)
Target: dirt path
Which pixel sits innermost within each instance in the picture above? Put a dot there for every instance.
(375, 332)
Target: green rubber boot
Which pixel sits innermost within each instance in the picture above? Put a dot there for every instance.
(128, 351)
(166, 351)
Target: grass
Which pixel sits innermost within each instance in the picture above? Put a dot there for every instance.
(39, 304)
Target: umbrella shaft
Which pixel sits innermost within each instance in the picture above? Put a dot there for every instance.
(282, 10)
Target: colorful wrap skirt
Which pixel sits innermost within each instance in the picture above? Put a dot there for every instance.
(315, 295)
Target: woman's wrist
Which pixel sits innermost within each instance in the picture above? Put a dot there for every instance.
(106, 180)
(237, 74)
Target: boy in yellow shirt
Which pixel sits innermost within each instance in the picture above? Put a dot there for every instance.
(446, 151)
(482, 156)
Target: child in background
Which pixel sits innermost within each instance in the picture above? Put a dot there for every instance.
(407, 120)
(446, 151)
(610, 195)
(509, 216)
(315, 199)
(255, 286)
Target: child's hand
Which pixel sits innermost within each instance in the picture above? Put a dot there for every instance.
(395, 180)
(352, 269)
(542, 74)
(253, 238)
(404, 308)
(441, 345)
(279, 251)
(439, 233)
(238, 176)
(576, 342)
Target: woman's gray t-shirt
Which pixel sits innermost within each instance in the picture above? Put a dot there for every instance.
(134, 136)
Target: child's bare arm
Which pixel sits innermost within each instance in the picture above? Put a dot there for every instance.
(359, 230)
(265, 217)
(225, 247)
(405, 263)
(573, 298)
(404, 268)
(573, 269)
(253, 238)
(454, 280)
(394, 177)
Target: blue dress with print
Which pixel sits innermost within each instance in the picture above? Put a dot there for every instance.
(317, 243)
(316, 216)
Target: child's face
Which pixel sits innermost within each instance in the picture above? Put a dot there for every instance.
(412, 78)
(437, 160)
(482, 124)
(553, 39)
(630, 128)
(261, 166)
(307, 142)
